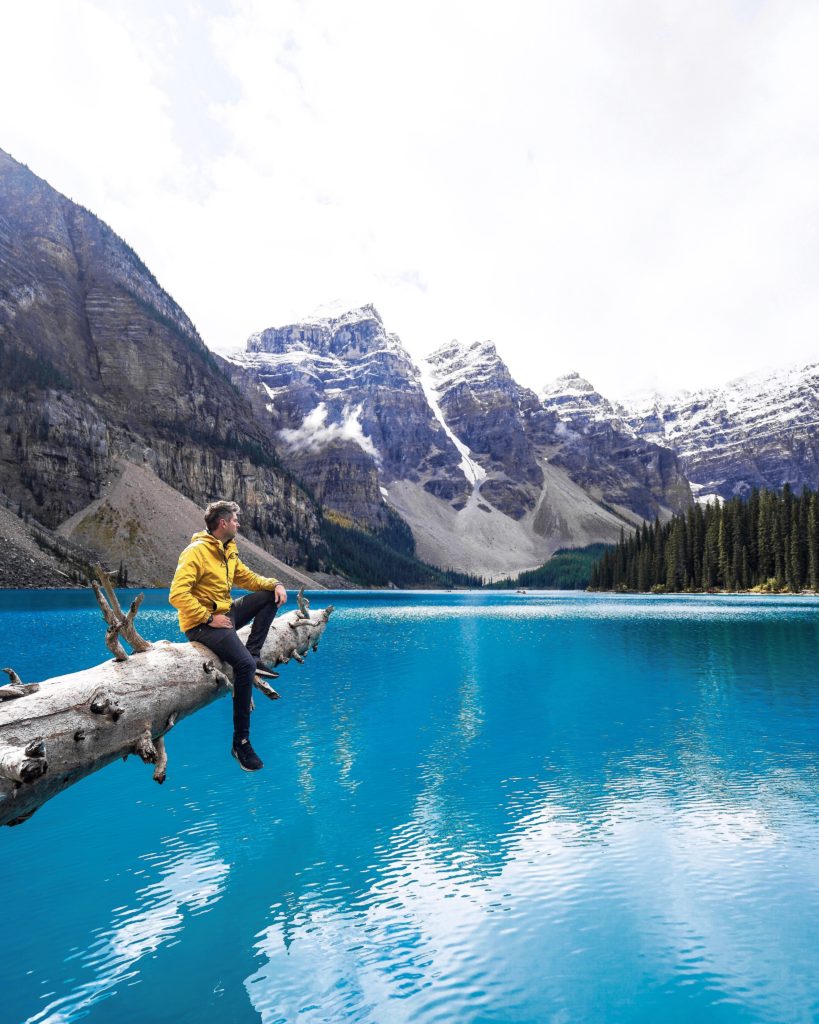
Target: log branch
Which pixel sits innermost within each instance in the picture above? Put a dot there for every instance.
(145, 747)
(137, 643)
(117, 622)
(112, 633)
(161, 769)
(264, 687)
(70, 726)
(16, 688)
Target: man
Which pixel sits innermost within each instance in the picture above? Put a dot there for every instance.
(208, 568)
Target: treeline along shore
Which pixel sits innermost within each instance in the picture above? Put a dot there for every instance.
(767, 542)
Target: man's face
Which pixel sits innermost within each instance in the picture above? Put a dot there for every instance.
(230, 527)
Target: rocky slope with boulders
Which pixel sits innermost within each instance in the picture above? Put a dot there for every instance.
(33, 556)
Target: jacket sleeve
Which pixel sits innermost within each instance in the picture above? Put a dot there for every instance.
(185, 577)
(247, 579)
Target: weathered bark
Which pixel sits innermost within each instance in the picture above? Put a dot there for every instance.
(54, 733)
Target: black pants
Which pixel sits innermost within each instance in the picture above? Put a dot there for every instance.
(261, 608)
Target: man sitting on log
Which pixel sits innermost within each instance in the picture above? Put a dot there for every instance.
(208, 568)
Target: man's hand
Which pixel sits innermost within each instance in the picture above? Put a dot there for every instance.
(222, 622)
(281, 595)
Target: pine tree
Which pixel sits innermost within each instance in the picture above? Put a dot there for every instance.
(710, 557)
(765, 538)
(813, 543)
(723, 561)
(794, 569)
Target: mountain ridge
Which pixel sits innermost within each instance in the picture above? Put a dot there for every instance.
(474, 463)
(99, 364)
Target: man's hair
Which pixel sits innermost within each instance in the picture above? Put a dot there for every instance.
(219, 510)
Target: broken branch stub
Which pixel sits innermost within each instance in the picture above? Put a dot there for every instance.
(16, 687)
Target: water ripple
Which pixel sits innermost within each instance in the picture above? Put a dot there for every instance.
(191, 878)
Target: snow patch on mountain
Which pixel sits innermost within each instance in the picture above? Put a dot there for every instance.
(469, 467)
(705, 495)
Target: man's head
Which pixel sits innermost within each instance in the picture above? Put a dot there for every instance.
(222, 519)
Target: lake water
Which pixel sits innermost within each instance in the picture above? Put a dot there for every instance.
(475, 808)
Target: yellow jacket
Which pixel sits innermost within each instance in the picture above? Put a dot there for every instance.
(203, 579)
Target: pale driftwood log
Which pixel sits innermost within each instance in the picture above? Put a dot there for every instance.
(54, 733)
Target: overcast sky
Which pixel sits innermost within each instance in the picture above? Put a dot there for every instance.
(626, 189)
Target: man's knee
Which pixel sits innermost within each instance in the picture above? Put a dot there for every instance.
(245, 663)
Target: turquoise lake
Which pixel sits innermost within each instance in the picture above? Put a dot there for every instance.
(475, 808)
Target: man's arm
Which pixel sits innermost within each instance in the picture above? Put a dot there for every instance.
(249, 580)
(180, 596)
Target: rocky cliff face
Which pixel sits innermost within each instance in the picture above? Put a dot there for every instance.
(514, 434)
(756, 431)
(607, 456)
(488, 412)
(97, 362)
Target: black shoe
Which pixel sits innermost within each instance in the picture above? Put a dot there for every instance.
(265, 671)
(246, 755)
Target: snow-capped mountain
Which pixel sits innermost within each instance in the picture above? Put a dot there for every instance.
(488, 477)
(492, 477)
(759, 430)
(348, 410)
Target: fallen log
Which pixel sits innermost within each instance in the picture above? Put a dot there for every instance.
(54, 733)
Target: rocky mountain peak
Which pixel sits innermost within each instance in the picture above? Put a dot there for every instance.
(484, 409)
(577, 403)
(350, 335)
(477, 363)
(347, 406)
(566, 383)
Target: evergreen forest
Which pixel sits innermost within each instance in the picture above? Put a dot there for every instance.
(567, 569)
(768, 541)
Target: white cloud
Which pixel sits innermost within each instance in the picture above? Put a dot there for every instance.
(626, 190)
(315, 433)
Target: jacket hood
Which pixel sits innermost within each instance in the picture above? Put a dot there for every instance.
(210, 539)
